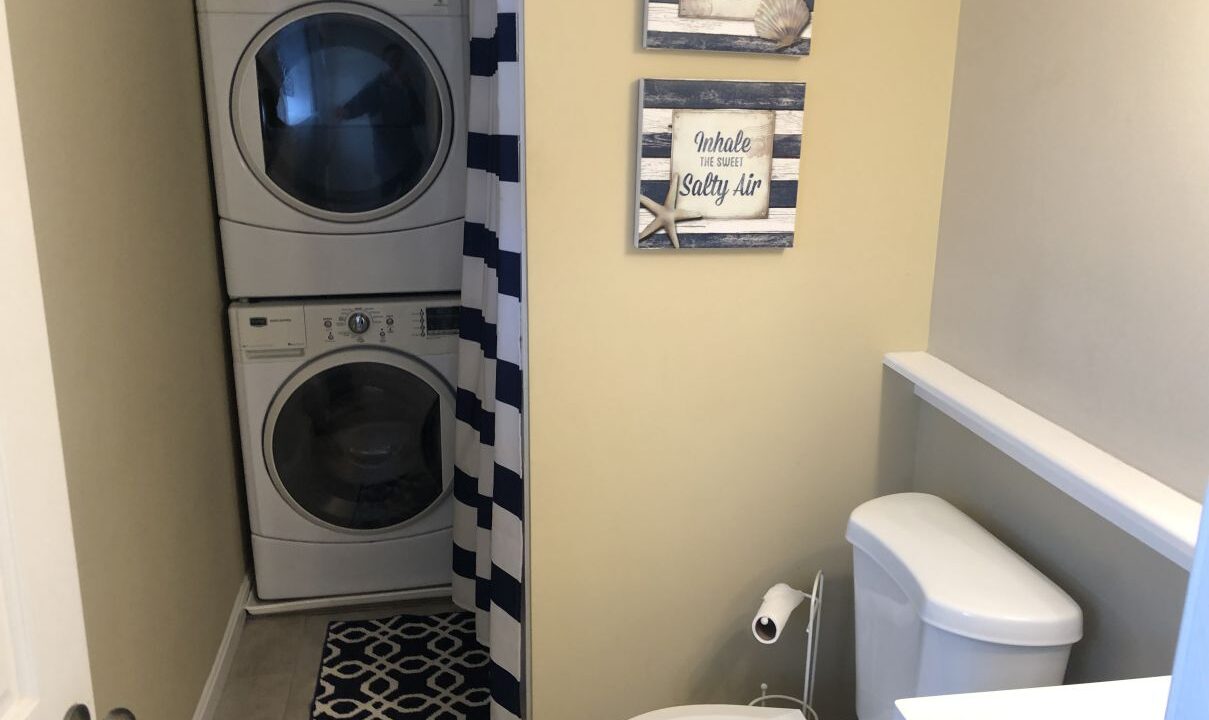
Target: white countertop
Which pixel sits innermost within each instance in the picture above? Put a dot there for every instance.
(1133, 699)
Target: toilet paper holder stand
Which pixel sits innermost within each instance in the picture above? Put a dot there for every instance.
(779, 603)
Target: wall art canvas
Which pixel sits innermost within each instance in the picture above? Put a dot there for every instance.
(718, 163)
(779, 27)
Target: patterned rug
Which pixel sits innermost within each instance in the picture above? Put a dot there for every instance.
(403, 668)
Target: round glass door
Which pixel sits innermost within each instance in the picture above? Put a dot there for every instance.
(363, 445)
(353, 112)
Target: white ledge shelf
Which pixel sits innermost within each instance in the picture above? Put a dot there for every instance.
(1154, 513)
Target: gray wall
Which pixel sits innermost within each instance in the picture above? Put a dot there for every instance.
(1071, 277)
(1071, 273)
(1131, 597)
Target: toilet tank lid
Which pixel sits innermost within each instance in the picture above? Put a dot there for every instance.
(961, 578)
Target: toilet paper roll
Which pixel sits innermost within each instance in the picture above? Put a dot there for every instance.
(779, 603)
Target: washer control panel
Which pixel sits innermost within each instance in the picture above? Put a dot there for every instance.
(419, 325)
(365, 324)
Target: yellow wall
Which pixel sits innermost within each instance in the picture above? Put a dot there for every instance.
(110, 101)
(702, 423)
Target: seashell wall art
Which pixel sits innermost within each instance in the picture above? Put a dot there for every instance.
(778, 27)
(718, 164)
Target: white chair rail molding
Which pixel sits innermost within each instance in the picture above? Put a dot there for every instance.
(1139, 504)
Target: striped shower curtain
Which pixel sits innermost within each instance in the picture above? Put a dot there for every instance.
(488, 532)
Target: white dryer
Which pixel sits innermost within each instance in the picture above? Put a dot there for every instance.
(346, 412)
(338, 133)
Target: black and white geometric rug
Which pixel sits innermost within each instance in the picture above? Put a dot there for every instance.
(407, 667)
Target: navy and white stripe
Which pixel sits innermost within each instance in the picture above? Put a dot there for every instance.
(667, 30)
(660, 99)
(489, 496)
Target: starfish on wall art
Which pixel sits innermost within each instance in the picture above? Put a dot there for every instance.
(667, 214)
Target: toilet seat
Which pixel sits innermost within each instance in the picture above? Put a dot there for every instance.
(721, 712)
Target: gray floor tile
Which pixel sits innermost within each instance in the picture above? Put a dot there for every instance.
(305, 671)
(268, 645)
(302, 692)
(255, 697)
(277, 664)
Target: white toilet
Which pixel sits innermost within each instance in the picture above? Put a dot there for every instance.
(942, 607)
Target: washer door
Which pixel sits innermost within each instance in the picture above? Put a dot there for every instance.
(342, 112)
(362, 440)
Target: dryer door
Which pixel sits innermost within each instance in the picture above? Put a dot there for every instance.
(362, 440)
(342, 112)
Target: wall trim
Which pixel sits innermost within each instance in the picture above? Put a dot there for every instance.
(256, 607)
(1158, 515)
(207, 705)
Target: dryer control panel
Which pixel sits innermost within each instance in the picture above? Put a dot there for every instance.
(422, 325)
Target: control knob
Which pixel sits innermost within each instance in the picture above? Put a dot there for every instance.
(359, 323)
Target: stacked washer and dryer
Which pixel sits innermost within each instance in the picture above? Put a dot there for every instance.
(338, 135)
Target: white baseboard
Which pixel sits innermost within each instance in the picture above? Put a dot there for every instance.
(257, 606)
(207, 706)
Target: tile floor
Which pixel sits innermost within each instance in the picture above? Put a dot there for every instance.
(277, 662)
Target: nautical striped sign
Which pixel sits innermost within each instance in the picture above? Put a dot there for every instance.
(784, 27)
(718, 163)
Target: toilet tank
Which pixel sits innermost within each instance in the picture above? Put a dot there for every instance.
(944, 607)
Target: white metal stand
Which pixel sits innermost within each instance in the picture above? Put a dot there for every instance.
(812, 650)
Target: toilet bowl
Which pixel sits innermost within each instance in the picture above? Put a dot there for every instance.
(942, 607)
(721, 712)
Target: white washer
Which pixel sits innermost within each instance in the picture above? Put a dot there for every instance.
(338, 134)
(346, 412)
